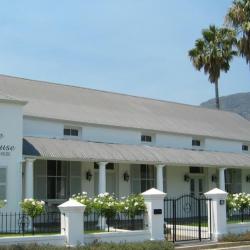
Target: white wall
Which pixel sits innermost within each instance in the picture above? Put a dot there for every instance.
(113, 135)
(175, 141)
(124, 186)
(88, 186)
(223, 145)
(42, 128)
(175, 180)
(11, 127)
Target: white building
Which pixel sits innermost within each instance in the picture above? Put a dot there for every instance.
(57, 140)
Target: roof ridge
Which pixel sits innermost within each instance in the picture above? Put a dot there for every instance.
(114, 93)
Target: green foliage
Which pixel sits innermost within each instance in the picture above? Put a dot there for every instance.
(32, 207)
(238, 17)
(238, 201)
(105, 205)
(147, 245)
(108, 206)
(85, 200)
(133, 205)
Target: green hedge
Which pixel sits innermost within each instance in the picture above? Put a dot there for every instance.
(149, 245)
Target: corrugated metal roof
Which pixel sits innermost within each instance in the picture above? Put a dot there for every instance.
(90, 151)
(75, 104)
(7, 98)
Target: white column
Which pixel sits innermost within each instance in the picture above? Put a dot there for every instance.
(29, 178)
(102, 177)
(218, 226)
(72, 222)
(159, 180)
(222, 179)
(154, 200)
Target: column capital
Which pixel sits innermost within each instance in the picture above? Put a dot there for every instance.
(160, 165)
(101, 163)
(30, 160)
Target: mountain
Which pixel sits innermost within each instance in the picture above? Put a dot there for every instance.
(238, 103)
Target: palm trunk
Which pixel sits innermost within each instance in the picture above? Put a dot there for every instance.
(217, 99)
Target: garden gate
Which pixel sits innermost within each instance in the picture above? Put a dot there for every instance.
(186, 218)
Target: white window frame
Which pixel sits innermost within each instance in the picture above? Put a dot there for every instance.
(72, 128)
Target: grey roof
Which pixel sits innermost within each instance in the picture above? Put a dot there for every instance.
(62, 149)
(68, 103)
(7, 98)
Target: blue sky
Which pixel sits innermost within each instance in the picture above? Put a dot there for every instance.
(137, 47)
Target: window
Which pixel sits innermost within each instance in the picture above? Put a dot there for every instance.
(196, 143)
(233, 180)
(71, 132)
(195, 170)
(146, 138)
(244, 148)
(3, 183)
(56, 179)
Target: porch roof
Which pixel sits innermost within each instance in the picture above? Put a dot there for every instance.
(75, 150)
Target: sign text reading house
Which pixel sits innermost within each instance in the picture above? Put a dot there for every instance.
(6, 149)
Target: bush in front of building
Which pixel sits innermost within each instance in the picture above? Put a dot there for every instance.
(32, 207)
(133, 205)
(240, 202)
(85, 200)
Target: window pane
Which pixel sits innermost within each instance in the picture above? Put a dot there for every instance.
(51, 168)
(2, 175)
(75, 169)
(143, 185)
(40, 188)
(143, 171)
(66, 131)
(2, 192)
(74, 132)
(75, 185)
(61, 188)
(51, 188)
(150, 172)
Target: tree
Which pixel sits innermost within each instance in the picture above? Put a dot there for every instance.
(238, 17)
(213, 52)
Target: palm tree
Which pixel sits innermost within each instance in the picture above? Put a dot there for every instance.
(238, 17)
(213, 52)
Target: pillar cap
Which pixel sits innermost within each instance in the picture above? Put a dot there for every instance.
(216, 193)
(72, 206)
(154, 193)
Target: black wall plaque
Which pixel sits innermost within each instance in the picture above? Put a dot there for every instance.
(157, 211)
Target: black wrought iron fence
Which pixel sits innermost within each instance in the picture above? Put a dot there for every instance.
(94, 222)
(20, 223)
(238, 215)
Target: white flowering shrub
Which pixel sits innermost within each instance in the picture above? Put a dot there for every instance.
(133, 205)
(106, 205)
(85, 200)
(239, 201)
(32, 207)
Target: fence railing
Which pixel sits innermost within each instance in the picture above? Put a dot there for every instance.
(20, 223)
(238, 215)
(94, 222)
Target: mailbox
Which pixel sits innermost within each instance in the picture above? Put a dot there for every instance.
(157, 211)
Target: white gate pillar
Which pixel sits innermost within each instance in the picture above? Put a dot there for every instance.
(29, 178)
(159, 180)
(154, 200)
(218, 213)
(72, 222)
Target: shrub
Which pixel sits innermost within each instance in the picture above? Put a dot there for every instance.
(32, 207)
(133, 205)
(239, 201)
(105, 205)
(85, 200)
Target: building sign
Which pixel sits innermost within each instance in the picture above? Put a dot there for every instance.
(6, 149)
